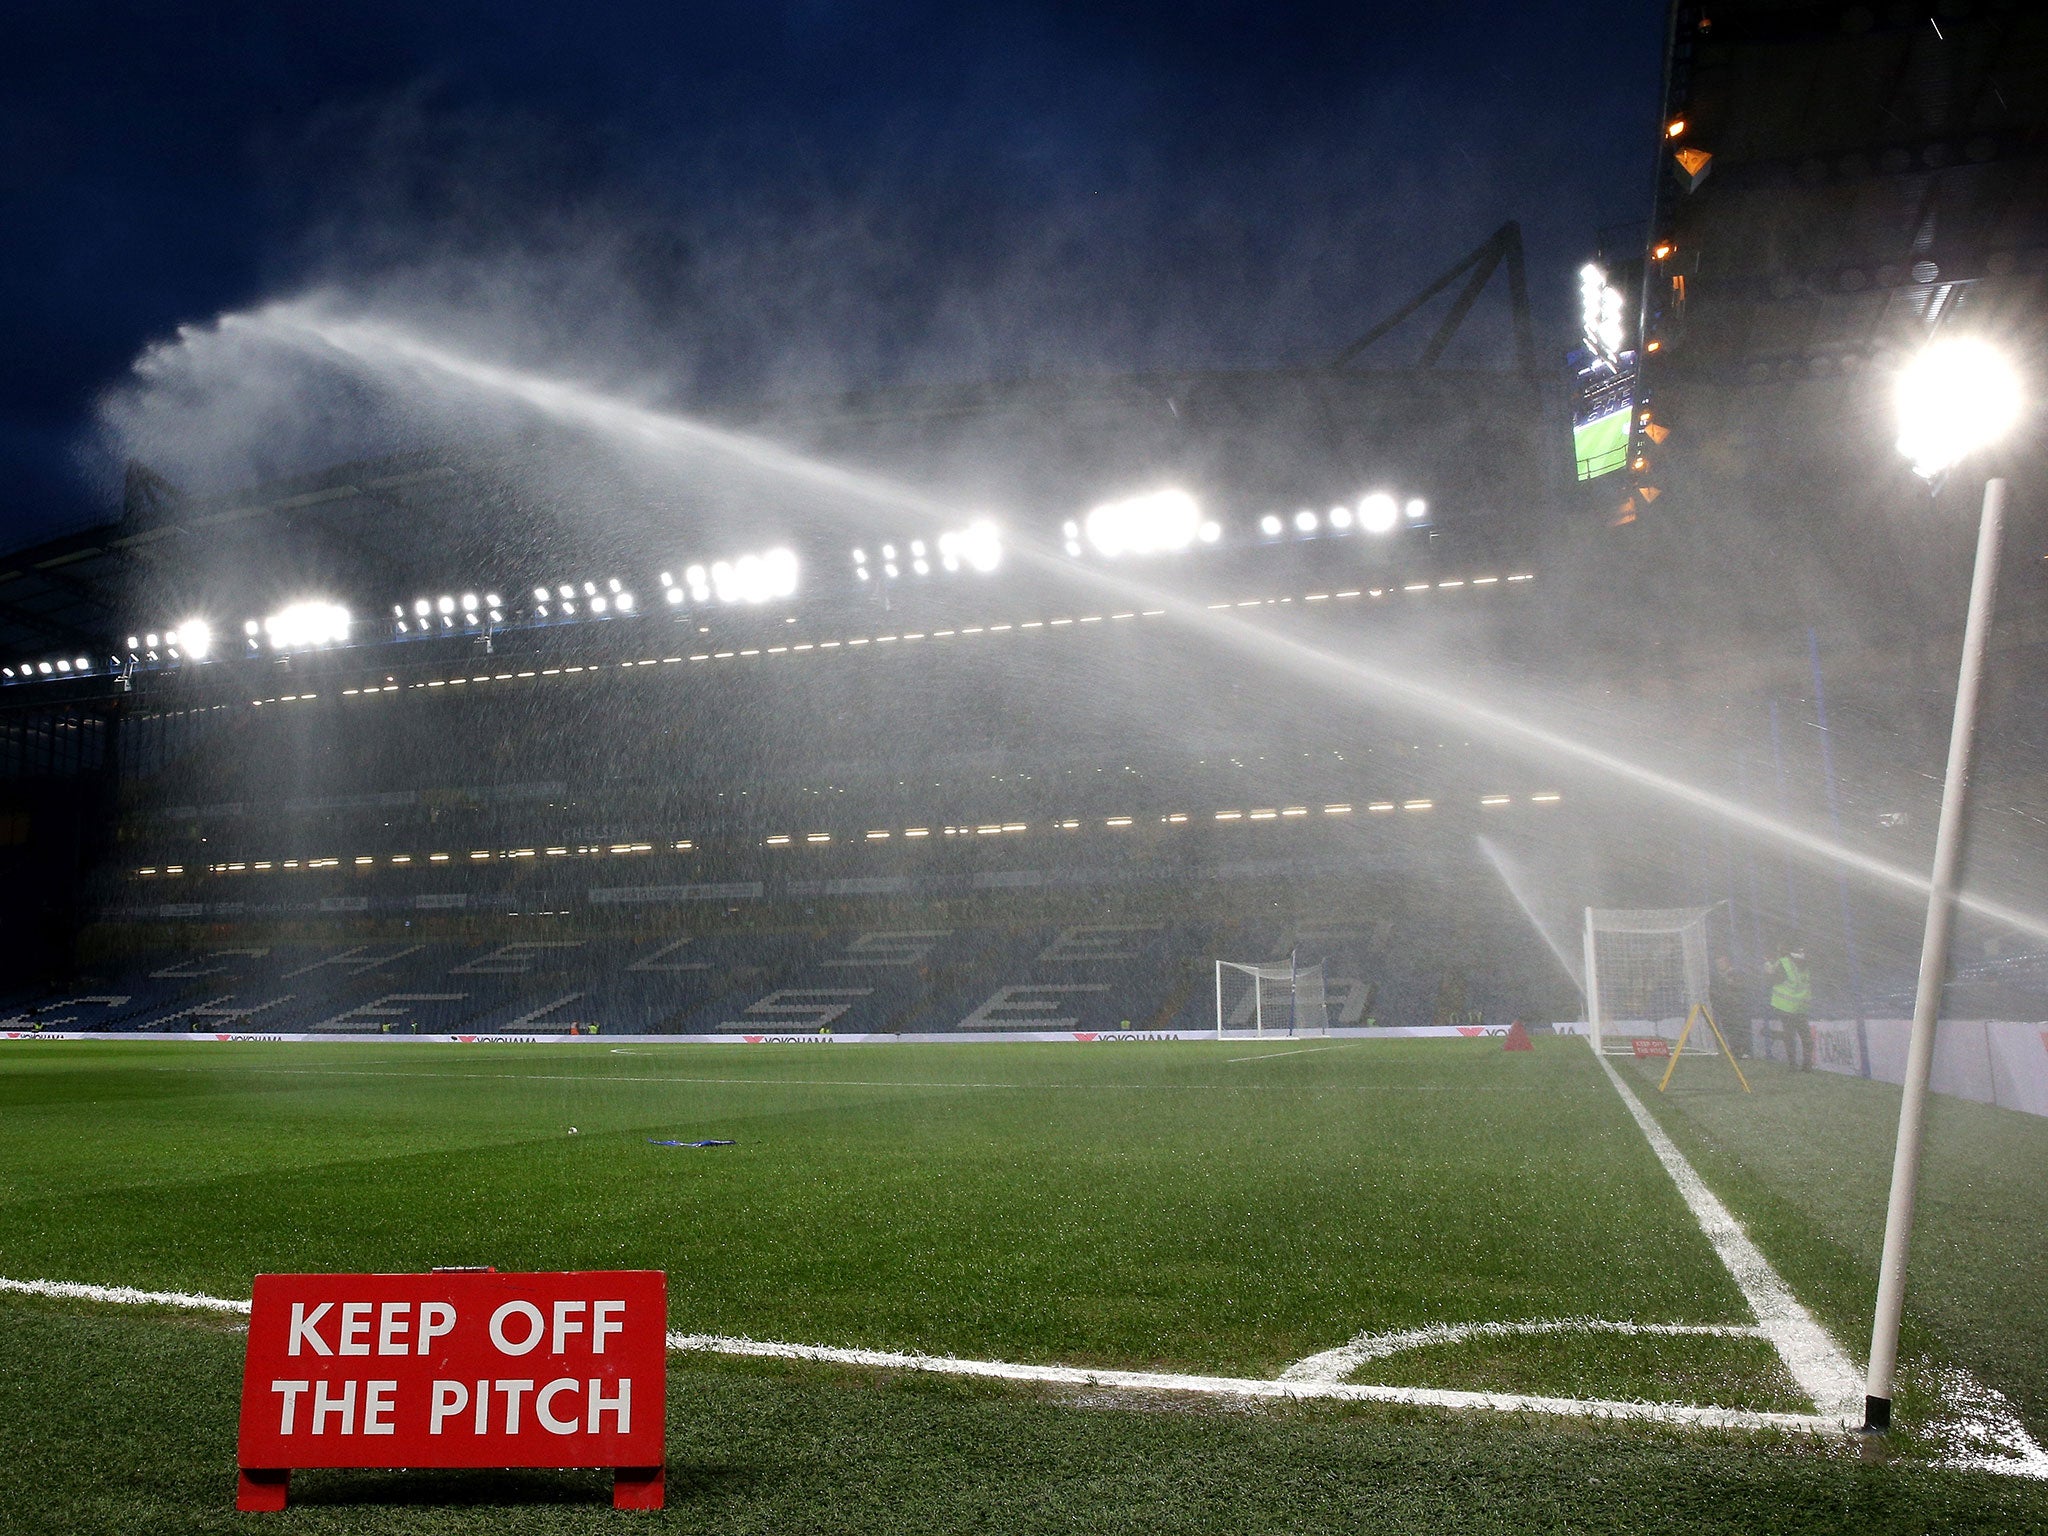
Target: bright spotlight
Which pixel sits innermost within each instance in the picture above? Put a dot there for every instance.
(469, 602)
(446, 604)
(298, 626)
(195, 637)
(540, 594)
(1377, 513)
(63, 666)
(590, 589)
(1304, 521)
(565, 591)
(134, 644)
(978, 544)
(491, 600)
(151, 642)
(923, 568)
(1959, 395)
(624, 602)
(1144, 525)
(598, 605)
(1269, 525)
(860, 557)
(755, 578)
(251, 629)
(1209, 532)
(1340, 517)
(1417, 509)
(673, 594)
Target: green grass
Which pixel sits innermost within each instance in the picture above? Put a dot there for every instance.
(122, 1421)
(1151, 1206)
(1806, 1163)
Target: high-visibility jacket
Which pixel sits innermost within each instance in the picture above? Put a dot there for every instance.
(1793, 991)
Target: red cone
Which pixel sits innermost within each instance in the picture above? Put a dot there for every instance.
(1517, 1038)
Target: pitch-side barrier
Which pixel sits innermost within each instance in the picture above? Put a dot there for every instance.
(941, 1037)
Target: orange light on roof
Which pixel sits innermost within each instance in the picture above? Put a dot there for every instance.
(1674, 128)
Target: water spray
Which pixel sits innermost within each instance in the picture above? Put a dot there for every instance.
(381, 346)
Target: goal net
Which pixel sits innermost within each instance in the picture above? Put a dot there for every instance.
(1645, 969)
(1278, 997)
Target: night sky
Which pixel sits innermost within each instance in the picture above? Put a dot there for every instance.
(720, 202)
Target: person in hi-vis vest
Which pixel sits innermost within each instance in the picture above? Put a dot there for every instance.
(1791, 997)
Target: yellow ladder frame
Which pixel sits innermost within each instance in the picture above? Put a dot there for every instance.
(1701, 1011)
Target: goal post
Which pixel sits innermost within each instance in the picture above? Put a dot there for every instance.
(1275, 997)
(1647, 969)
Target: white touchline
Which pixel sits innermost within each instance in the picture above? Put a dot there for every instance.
(1336, 1364)
(1988, 1447)
(126, 1295)
(1253, 1386)
(1820, 1366)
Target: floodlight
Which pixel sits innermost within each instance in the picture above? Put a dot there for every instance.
(1417, 509)
(1073, 549)
(308, 623)
(860, 557)
(151, 642)
(568, 610)
(45, 668)
(540, 594)
(1377, 513)
(1209, 532)
(492, 600)
(1158, 521)
(1959, 395)
(469, 603)
(63, 666)
(979, 544)
(862, 573)
(1340, 517)
(133, 643)
(597, 605)
(590, 589)
(565, 591)
(923, 568)
(1269, 525)
(1304, 521)
(625, 602)
(917, 546)
(673, 594)
(447, 603)
(196, 637)
(890, 572)
(250, 629)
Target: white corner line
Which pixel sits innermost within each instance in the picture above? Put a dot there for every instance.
(1686, 1414)
(1336, 1364)
(1820, 1365)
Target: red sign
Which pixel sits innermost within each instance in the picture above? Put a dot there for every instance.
(1651, 1047)
(455, 1369)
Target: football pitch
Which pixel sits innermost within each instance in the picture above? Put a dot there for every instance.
(1440, 1219)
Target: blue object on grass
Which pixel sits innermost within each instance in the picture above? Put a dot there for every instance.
(653, 1143)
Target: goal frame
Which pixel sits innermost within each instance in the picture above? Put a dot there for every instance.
(1682, 928)
(1272, 971)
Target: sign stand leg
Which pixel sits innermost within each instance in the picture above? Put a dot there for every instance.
(262, 1488)
(637, 1487)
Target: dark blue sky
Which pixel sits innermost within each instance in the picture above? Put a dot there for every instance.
(725, 200)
